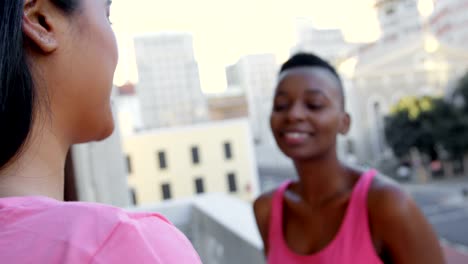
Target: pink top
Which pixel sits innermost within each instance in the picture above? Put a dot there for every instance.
(43, 230)
(352, 244)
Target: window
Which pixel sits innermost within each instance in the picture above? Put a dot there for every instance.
(390, 11)
(162, 160)
(129, 164)
(195, 155)
(199, 186)
(227, 150)
(133, 196)
(232, 182)
(166, 191)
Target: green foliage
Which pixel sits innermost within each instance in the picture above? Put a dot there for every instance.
(427, 123)
(410, 125)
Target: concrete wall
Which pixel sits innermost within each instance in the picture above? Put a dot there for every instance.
(221, 228)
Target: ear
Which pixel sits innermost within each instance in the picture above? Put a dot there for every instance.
(345, 124)
(38, 26)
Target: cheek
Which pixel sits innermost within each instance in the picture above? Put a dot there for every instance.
(329, 124)
(275, 120)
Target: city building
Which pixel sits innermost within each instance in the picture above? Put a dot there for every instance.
(180, 162)
(169, 84)
(128, 110)
(449, 22)
(329, 44)
(382, 78)
(398, 18)
(230, 104)
(446, 20)
(256, 75)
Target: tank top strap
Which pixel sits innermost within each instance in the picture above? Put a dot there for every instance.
(362, 187)
(276, 219)
(357, 221)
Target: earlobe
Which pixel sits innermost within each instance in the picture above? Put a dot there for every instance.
(37, 28)
(345, 124)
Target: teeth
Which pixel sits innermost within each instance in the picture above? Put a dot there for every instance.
(296, 135)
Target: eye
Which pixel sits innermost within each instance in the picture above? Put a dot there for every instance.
(280, 104)
(314, 106)
(280, 107)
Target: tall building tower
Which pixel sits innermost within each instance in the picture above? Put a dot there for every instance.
(329, 44)
(449, 21)
(398, 18)
(169, 83)
(256, 76)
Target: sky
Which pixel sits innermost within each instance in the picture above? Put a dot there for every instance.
(225, 30)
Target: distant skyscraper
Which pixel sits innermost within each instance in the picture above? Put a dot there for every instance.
(449, 22)
(400, 19)
(256, 75)
(169, 83)
(327, 43)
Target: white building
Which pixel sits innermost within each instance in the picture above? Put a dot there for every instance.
(169, 84)
(256, 75)
(128, 110)
(386, 75)
(400, 19)
(329, 44)
(449, 21)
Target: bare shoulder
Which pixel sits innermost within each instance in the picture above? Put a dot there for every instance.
(262, 209)
(388, 203)
(385, 193)
(398, 226)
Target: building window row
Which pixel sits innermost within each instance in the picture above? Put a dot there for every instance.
(199, 185)
(195, 156)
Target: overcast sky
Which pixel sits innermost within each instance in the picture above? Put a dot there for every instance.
(225, 30)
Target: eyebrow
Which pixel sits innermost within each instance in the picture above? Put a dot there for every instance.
(109, 2)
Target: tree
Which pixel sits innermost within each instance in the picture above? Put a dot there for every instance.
(428, 123)
(452, 128)
(410, 125)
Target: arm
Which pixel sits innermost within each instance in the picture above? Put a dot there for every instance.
(405, 234)
(262, 208)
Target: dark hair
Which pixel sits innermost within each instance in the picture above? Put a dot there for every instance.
(17, 95)
(311, 60)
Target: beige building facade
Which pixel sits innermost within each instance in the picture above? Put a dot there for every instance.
(180, 162)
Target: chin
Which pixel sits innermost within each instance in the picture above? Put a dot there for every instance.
(297, 155)
(97, 129)
(106, 130)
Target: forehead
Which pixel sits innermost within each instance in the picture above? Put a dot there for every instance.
(309, 78)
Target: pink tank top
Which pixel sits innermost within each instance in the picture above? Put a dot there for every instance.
(352, 244)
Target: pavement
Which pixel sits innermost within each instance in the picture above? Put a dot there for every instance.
(445, 205)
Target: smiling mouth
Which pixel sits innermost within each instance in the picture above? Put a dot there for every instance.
(296, 138)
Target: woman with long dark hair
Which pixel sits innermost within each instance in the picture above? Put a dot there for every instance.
(57, 60)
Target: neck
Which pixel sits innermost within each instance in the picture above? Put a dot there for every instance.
(322, 177)
(39, 168)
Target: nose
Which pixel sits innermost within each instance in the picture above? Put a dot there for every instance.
(296, 113)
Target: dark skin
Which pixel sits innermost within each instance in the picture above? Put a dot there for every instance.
(307, 116)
